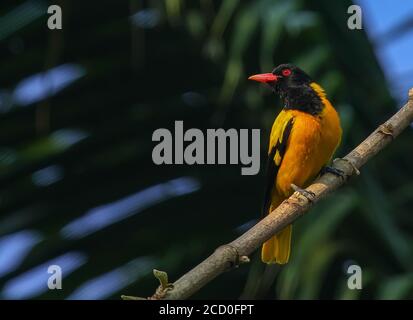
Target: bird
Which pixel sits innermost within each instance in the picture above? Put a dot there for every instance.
(303, 140)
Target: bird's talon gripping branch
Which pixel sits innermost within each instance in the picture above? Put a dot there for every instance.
(307, 194)
(354, 168)
(335, 171)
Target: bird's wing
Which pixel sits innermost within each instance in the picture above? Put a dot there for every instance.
(278, 143)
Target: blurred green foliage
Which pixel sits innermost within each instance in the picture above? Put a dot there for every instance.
(148, 63)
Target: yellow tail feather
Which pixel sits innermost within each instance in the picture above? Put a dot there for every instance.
(277, 249)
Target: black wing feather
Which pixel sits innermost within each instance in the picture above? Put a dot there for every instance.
(272, 168)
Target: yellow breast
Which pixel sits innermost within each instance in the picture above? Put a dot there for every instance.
(311, 145)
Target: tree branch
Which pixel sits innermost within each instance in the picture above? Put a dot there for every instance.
(231, 255)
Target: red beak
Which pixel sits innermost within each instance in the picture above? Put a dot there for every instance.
(264, 77)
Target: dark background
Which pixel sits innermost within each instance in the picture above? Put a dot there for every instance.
(78, 187)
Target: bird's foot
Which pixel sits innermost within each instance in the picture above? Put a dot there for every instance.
(355, 169)
(335, 171)
(305, 193)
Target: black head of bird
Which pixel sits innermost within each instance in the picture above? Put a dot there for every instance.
(283, 77)
(294, 87)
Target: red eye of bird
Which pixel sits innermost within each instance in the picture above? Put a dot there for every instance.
(286, 72)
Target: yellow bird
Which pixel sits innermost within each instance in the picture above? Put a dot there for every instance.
(303, 139)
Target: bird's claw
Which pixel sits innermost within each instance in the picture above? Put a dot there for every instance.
(309, 195)
(335, 171)
(355, 169)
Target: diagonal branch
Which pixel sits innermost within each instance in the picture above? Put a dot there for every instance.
(232, 254)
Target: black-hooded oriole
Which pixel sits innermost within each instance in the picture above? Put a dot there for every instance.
(303, 139)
